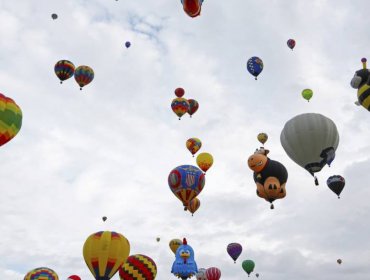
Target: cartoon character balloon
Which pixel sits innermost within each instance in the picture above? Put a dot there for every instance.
(361, 82)
(104, 253)
(255, 66)
(138, 267)
(174, 244)
(307, 94)
(184, 265)
(201, 274)
(205, 161)
(234, 250)
(74, 277)
(192, 7)
(64, 69)
(194, 205)
(186, 182)
(193, 106)
(336, 184)
(269, 175)
(10, 119)
(310, 140)
(213, 273)
(248, 266)
(180, 106)
(291, 43)
(193, 145)
(41, 273)
(84, 75)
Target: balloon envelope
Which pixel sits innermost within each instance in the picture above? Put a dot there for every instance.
(255, 66)
(193, 145)
(41, 273)
(180, 106)
(84, 75)
(234, 250)
(193, 106)
(213, 273)
(127, 44)
(204, 161)
(54, 16)
(201, 274)
(179, 92)
(194, 205)
(339, 261)
(248, 266)
(192, 7)
(104, 252)
(336, 184)
(262, 137)
(307, 94)
(73, 277)
(64, 69)
(10, 119)
(174, 244)
(138, 267)
(291, 43)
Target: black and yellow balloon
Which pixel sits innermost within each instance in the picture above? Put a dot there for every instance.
(361, 82)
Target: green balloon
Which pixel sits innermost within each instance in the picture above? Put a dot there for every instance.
(248, 266)
(307, 94)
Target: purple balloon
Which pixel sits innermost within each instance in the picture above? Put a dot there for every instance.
(234, 250)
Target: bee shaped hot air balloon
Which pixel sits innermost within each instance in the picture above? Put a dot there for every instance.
(205, 161)
(310, 140)
(193, 145)
(186, 182)
(74, 277)
(194, 205)
(192, 7)
(291, 43)
(174, 244)
(262, 138)
(64, 69)
(269, 175)
(201, 274)
(193, 106)
(41, 273)
(138, 267)
(10, 119)
(248, 266)
(361, 82)
(234, 250)
(255, 66)
(184, 266)
(307, 94)
(104, 252)
(213, 273)
(84, 75)
(336, 184)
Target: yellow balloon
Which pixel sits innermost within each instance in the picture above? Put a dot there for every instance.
(104, 252)
(204, 161)
(262, 137)
(174, 244)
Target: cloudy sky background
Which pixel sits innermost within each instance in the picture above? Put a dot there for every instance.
(108, 150)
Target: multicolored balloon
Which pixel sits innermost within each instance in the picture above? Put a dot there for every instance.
(41, 273)
(74, 277)
(186, 182)
(10, 119)
(205, 161)
(193, 106)
(201, 274)
(84, 75)
(192, 7)
(213, 273)
(193, 145)
(104, 252)
(180, 106)
(64, 69)
(336, 184)
(291, 43)
(255, 66)
(179, 92)
(234, 250)
(194, 205)
(307, 94)
(174, 244)
(262, 137)
(138, 267)
(248, 266)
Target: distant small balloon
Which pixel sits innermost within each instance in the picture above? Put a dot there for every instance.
(158, 239)
(54, 16)
(291, 44)
(257, 275)
(74, 277)
(262, 137)
(127, 44)
(307, 94)
(179, 92)
(193, 106)
(104, 218)
(339, 261)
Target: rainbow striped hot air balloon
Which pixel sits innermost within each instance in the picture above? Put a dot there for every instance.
(180, 106)
(10, 119)
(64, 69)
(138, 267)
(84, 75)
(105, 252)
(41, 273)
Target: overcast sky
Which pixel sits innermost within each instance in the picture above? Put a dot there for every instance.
(107, 150)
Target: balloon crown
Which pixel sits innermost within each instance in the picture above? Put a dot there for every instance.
(184, 242)
(364, 60)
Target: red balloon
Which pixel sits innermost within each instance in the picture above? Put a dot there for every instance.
(213, 273)
(73, 277)
(291, 44)
(179, 92)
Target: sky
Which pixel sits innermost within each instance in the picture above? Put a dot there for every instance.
(107, 150)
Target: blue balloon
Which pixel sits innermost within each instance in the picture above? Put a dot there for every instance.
(127, 44)
(184, 265)
(255, 66)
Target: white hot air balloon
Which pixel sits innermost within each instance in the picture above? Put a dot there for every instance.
(201, 274)
(310, 140)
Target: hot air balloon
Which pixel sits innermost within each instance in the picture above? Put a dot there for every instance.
(234, 250)
(310, 140)
(248, 266)
(74, 277)
(307, 94)
(64, 69)
(213, 273)
(127, 44)
(184, 266)
(179, 92)
(158, 239)
(194, 205)
(174, 244)
(201, 274)
(138, 267)
(186, 182)
(291, 44)
(104, 252)
(84, 75)
(257, 275)
(262, 137)
(255, 66)
(193, 106)
(336, 184)
(204, 161)
(104, 218)
(10, 119)
(54, 16)
(180, 106)
(269, 175)
(41, 273)
(361, 82)
(192, 7)
(339, 261)
(193, 145)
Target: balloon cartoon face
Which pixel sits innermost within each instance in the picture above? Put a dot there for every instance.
(184, 265)
(257, 162)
